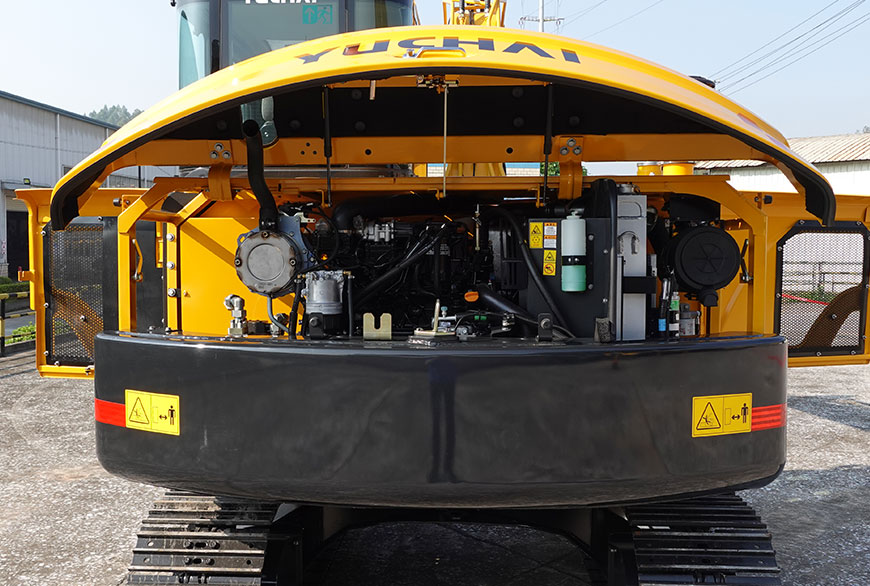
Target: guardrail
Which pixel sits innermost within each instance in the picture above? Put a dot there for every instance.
(3, 316)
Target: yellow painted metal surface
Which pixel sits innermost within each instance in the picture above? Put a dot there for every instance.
(485, 51)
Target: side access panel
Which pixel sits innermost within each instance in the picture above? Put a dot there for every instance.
(822, 284)
(74, 284)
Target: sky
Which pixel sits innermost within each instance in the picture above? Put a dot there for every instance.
(79, 55)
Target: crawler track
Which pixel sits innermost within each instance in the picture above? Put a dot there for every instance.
(195, 539)
(711, 540)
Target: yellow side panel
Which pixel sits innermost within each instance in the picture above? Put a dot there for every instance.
(207, 248)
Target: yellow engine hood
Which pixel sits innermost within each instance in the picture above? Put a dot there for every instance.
(731, 131)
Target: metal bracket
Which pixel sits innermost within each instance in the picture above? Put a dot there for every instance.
(384, 333)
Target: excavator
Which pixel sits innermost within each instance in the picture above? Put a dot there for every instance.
(346, 308)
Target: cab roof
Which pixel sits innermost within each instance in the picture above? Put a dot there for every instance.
(627, 108)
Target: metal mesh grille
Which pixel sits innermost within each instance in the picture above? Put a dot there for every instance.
(75, 295)
(822, 296)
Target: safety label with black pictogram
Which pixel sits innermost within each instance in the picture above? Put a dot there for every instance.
(721, 415)
(154, 412)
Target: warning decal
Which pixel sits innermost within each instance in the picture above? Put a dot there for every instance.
(536, 235)
(549, 256)
(551, 234)
(152, 412)
(721, 415)
(549, 269)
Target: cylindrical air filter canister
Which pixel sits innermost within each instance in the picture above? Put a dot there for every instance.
(573, 253)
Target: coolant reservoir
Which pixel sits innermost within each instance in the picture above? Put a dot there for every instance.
(574, 253)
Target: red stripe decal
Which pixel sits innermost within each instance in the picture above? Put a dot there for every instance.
(768, 417)
(111, 413)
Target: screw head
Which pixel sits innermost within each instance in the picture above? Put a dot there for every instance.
(237, 262)
(170, 265)
(227, 154)
(577, 150)
(213, 155)
(564, 151)
(45, 305)
(170, 237)
(572, 142)
(218, 146)
(172, 292)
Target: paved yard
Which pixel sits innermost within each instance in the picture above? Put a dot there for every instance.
(66, 521)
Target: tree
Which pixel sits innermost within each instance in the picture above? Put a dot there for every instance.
(117, 114)
(866, 130)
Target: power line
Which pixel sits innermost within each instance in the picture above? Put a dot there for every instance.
(581, 13)
(626, 19)
(792, 52)
(767, 44)
(813, 32)
(831, 38)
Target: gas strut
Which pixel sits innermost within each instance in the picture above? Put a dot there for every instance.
(257, 176)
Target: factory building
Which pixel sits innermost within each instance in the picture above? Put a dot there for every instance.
(844, 159)
(38, 145)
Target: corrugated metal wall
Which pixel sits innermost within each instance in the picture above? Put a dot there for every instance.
(852, 178)
(41, 144)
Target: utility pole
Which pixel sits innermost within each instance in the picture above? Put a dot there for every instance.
(541, 15)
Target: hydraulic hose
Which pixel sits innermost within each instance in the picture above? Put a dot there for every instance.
(378, 283)
(257, 175)
(274, 320)
(530, 264)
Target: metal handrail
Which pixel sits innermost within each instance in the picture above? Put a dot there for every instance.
(3, 316)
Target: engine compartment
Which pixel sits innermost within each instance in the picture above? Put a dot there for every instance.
(612, 265)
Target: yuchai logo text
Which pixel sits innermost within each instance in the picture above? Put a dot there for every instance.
(280, 1)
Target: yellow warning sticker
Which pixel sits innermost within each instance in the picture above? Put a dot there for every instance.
(152, 412)
(549, 269)
(549, 256)
(721, 415)
(536, 235)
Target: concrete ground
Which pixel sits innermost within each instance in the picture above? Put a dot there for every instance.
(66, 521)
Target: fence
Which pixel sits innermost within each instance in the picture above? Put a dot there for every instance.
(4, 297)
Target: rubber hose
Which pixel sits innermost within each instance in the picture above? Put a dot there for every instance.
(257, 176)
(380, 281)
(274, 320)
(530, 265)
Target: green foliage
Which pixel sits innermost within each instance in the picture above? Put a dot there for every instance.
(23, 334)
(13, 287)
(5, 281)
(554, 169)
(117, 114)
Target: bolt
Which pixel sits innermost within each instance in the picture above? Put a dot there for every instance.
(45, 353)
(818, 353)
(42, 233)
(218, 146)
(606, 251)
(265, 234)
(170, 265)
(45, 305)
(213, 155)
(170, 237)
(571, 142)
(604, 300)
(227, 154)
(83, 318)
(802, 222)
(591, 237)
(238, 262)
(172, 292)
(546, 323)
(779, 248)
(853, 352)
(590, 286)
(577, 150)
(564, 151)
(57, 363)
